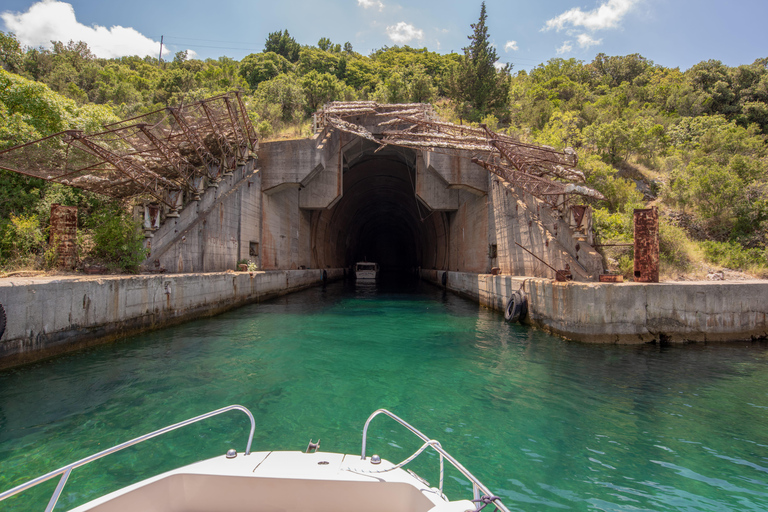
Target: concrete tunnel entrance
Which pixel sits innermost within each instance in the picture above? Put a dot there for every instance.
(379, 218)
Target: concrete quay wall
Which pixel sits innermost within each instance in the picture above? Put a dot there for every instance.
(625, 313)
(47, 316)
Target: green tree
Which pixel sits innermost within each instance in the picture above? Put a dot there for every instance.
(282, 43)
(313, 59)
(478, 87)
(327, 45)
(421, 86)
(281, 98)
(613, 71)
(10, 52)
(320, 88)
(259, 67)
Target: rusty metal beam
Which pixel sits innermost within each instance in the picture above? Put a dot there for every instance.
(205, 156)
(544, 189)
(173, 158)
(240, 139)
(253, 139)
(147, 179)
(221, 139)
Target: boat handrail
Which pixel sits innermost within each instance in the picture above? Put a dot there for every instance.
(66, 470)
(477, 485)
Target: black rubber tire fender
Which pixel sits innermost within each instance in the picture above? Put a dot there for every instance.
(444, 279)
(325, 276)
(2, 320)
(516, 307)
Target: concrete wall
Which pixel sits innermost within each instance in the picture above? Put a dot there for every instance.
(285, 231)
(468, 249)
(628, 312)
(515, 216)
(310, 205)
(48, 316)
(212, 234)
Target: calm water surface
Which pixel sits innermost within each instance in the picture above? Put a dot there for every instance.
(546, 424)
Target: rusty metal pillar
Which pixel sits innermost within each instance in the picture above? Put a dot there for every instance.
(647, 245)
(64, 235)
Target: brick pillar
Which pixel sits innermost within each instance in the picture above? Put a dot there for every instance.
(64, 235)
(647, 245)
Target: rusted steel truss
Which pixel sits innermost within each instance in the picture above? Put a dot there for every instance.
(542, 171)
(154, 155)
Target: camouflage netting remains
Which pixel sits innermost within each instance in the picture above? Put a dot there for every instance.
(541, 171)
(156, 155)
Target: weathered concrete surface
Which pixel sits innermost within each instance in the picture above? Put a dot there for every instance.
(212, 234)
(516, 216)
(294, 163)
(334, 199)
(47, 316)
(628, 312)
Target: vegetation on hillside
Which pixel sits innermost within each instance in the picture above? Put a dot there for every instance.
(691, 142)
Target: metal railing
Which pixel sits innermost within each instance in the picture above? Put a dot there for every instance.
(477, 485)
(66, 470)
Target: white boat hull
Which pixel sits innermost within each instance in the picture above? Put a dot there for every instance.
(279, 481)
(366, 271)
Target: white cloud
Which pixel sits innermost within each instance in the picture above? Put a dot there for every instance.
(565, 48)
(607, 15)
(585, 41)
(511, 45)
(499, 65)
(53, 20)
(404, 33)
(369, 4)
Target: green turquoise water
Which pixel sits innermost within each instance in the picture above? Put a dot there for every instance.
(546, 424)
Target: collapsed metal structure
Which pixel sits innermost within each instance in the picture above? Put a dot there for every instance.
(157, 155)
(161, 154)
(542, 171)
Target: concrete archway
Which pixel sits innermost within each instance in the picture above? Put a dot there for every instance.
(379, 218)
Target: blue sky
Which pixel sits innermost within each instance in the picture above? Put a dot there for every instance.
(673, 33)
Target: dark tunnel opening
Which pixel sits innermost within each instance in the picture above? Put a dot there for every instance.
(379, 219)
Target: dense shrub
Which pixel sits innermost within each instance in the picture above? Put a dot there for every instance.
(118, 241)
(732, 255)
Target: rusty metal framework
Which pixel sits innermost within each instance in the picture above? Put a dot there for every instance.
(156, 155)
(542, 171)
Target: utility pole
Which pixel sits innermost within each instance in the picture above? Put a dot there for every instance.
(160, 57)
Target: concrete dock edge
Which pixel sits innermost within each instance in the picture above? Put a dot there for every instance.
(625, 313)
(49, 316)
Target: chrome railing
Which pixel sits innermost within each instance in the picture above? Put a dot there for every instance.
(477, 485)
(66, 470)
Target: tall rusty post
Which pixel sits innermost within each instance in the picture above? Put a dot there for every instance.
(647, 245)
(64, 235)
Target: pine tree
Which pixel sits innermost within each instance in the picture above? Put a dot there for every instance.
(477, 86)
(282, 43)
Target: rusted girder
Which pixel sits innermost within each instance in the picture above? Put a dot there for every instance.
(241, 142)
(205, 156)
(539, 161)
(180, 164)
(228, 154)
(352, 128)
(147, 179)
(253, 139)
(542, 188)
